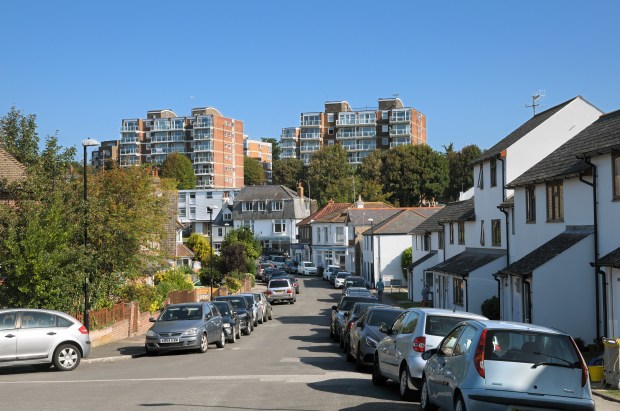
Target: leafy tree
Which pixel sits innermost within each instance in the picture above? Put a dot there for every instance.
(371, 181)
(460, 169)
(233, 258)
(179, 167)
(330, 174)
(287, 172)
(18, 136)
(200, 246)
(275, 147)
(253, 173)
(245, 236)
(406, 260)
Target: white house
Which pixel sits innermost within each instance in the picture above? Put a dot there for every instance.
(330, 239)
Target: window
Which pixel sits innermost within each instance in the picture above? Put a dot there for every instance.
(464, 345)
(481, 177)
(248, 206)
(481, 232)
(384, 128)
(615, 158)
(410, 323)
(339, 234)
(555, 201)
(33, 319)
(209, 194)
(325, 234)
(427, 243)
(182, 212)
(441, 240)
(493, 173)
(451, 234)
(330, 131)
(385, 115)
(220, 232)
(385, 141)
(192, 213)
(318, 235)
(276, 206)
(496, 233)
(7, 321)
(261, 206)
(457, 291)
(448, 344)
(398, 324)
(330, 118)
(530, 204)
(279, 226)
(461, 233)
(181, 197)
(192, 198)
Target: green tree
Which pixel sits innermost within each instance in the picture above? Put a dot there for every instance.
(275, 147)
(329, 174)
(245, 236)
(406, 260)
(460, 169)
(179, 167)
(200, 246)
(371, 186)
(253, 173)
(287, 172)
(18, 136)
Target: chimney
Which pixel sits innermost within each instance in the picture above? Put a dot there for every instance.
(359, 203)
(300, 190)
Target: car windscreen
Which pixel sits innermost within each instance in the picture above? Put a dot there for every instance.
(358, 282)
(441, 325)
(530, 347)
(360, 307)
(223, 308)
(236, 302)
(378, 317)
(181, 312)
(342, 275)
(248, 298)
(308, 265)
(347, 304)
(278, 284)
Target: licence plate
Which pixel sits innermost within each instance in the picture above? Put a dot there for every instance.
(169, 340)
(279, 291)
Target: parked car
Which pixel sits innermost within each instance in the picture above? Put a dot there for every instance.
(187, 326)
(349, 320)
(262, 309)
(278, 261)
(281, 289)
(243, 309)
(399, 355)
(329, 270)
(294, 281)
(261, 269)
(291, 267)
(356, 291)
(267, 273)
(42, 338)
(256, 310)
(495, 365)
(365, 335)
(340, 279)
(306, 268)
(265, 305)
(340, 310)
(354, 281)
(232, 325)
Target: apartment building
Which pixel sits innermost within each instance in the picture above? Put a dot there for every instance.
(261, 151)
(359, 131)
(107, 152)
(213, 142)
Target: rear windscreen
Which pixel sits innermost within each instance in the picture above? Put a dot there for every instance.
(278, 284)
(379, 317)
(441, 325)
(529, 347)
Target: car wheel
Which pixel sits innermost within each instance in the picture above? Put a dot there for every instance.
(347, 350)
(331, 333)
(238, 334)
(255, 323)
(460, 404)
(247, 330)
(222, 341)
(377, 378)
(233, 337)
(271, 315)
(150, 352)
(204, 343)
(359, 365)
(406, 393)
(293, 301)
(341, 341)
(425, 403)
(66, 357)
(261, 319)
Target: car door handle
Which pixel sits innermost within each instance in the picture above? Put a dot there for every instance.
(9, 336)
(51, 333)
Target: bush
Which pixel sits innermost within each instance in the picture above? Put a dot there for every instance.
(405, 261)
(147, 296)
(490, 308)
(233, 284)
(252, 278)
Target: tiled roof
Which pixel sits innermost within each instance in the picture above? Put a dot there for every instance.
(611, 260)
(520, 132)
(292, 207)
(469, 260)
(400, 223)
(11, 169)
(329, 208)
(546, 252)
(600, 137)
(358, 217)
(508, 203)
(456, 211)
(265, 192)
(419, 261)
(183, 251)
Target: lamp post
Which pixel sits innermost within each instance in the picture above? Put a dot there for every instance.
(210, 211)
(372, 248)
(87, 279)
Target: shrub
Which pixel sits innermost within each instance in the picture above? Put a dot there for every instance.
(490, 308)
(233, 284)
(405, 261)
(147, 296)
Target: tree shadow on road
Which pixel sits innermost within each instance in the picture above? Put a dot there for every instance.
(360, 387)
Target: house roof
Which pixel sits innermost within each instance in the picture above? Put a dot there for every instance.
(266, 192)
(358, 217)
(400, 223)
(291, 209)
(508, 203)
(548, 251)
(329, 208)
(183, 251)
(520, 132)
(11, 169)
(600, 137)
(469, 260)
(420, 260)
(611, 260)
(456, 211)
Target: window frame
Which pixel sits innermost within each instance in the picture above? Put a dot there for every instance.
(461, 233)
(482, 233)
(493, 172)
(281, 224)
(615, 180)
(530, 204)
(480, 183)
(276, 205)
(458, 292)
(496, 233)
(555, 201)
(451, 234)
(441, 237)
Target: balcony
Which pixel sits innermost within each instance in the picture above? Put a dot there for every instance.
(310, 123)
(202, 159)
(400, 143)
(202, 147)
(288, 144)
(288, 133)
(357, 133)
(166, 138)
(130, 161)
(128, 152)
(309, 149)
(311, 136)
(129, 140)
(346, 122)
(371, 121)
(359, 147)
(288, 154)
(129, 129)
(400, 117)
(203, 171)
(400, 131)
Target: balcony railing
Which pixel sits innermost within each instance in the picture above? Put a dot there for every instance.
(202, 147)
(359, 147)
(400, 143)
(310, 123)
(129, 129)
(129, 140)
(125, 152)
(346, 122)
(356, 133)
(308, 149)
(400, 118)
(288, 144)
(203, 171)
(157, 138)
(202, 159)
(311, 136)
(400, 131)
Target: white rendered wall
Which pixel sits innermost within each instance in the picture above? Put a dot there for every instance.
(608, 209)
(392, 247)
(482, 284)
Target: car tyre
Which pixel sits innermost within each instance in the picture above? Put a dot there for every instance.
(377, 378)
(247, 330)
(42, 366)
(293, 301)
(66, 357)
(255, 323)
(406, 393)
(238, 334)
(261, 319)
(271, 315)
(425, 403)
(460, 404)
(233, 337)
(150, 352)
(204, 343)
(222, 341)
(347, 350)
(359, 365)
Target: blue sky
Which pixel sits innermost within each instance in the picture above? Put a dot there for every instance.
(470, 66)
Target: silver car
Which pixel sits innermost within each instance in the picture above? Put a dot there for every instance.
(42, 338)
(399, 355)
(281, 289)
(187, 326)
(493, 365)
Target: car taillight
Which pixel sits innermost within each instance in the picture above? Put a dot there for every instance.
(289, 291)
(351, 325)
(83, 330)
(584, 367)
(479, 355)
(419, 344)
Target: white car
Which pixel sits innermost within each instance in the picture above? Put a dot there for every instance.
(306, 268)
(340, 278)
(329, 271)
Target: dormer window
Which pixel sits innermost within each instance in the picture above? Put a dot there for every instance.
(276, 205)
(248, 206)
(260, 206)
(227, 216)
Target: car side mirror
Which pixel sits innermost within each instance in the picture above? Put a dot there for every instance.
(384, 329)
(152, 319)
(429, 353)
(334, 307)
(207, 316)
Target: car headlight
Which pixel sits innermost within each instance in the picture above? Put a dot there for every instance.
(226, 325)
(371, 342)
(191, 331)
(151, 333)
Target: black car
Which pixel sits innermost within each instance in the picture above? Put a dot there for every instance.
(353, 281)
(344, 305)
(349, 320)
(243, 309)
(232, 324)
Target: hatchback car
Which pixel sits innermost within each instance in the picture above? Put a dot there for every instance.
(187, 326)
(340, 279)
(329, 270)
(306, 268)
(232, 325)
(354, 281)
(399, 355)
(349, 320)
(257, 310)
(42, 338)
(356, 291)
(265, 306)
(340, 310)
(365, 335)
(281, 289)
(493, 365)
(243, 308)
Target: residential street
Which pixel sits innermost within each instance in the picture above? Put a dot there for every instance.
(288, 363)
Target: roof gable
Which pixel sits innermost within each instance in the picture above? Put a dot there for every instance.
(11, 169)
(456, 211)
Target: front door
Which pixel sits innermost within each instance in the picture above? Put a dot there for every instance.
(8, 336)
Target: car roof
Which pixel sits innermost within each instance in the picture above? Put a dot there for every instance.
(448, 313)
(509, 325)
(351, 289)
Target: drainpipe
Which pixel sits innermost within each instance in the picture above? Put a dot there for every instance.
(503, 210)
(466, 294)
(596, 267)
(503, 177)
(523, 307)
(499, 293)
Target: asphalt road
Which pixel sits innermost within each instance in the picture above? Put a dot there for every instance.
(288, 363)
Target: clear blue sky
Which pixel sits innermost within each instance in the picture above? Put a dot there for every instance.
(470, 66)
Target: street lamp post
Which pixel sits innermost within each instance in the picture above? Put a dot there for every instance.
(210, 211)
(372, 248)
(87, 279)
